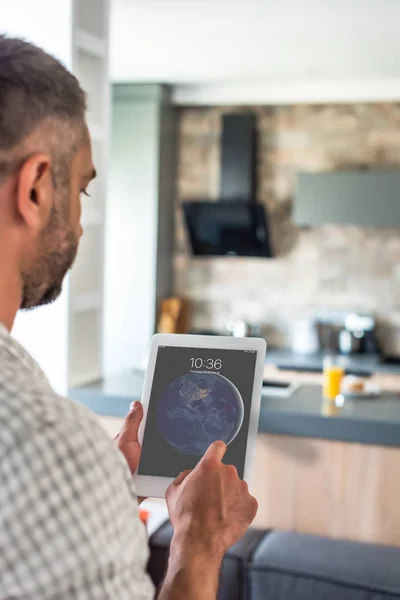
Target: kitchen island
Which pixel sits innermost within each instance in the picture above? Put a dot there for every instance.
(319, 468)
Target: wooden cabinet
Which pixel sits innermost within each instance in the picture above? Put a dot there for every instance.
(328, 488)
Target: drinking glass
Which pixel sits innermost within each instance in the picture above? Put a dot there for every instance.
(333, 374)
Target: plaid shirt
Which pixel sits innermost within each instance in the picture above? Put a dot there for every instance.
(69, 525)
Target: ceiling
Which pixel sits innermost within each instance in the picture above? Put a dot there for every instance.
(202, 46)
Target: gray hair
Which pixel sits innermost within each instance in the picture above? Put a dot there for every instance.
(36, 90)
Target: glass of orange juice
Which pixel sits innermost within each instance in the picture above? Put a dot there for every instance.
(333, 375)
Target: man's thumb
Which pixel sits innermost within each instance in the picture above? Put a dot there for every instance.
(132, 422)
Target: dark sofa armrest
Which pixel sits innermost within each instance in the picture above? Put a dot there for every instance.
(233, 584)
(159, 544)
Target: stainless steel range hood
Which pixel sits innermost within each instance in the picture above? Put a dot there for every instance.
(364, 198)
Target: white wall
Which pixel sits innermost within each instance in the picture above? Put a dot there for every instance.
(259, 51)
(44, 22)
(256, 93)
(131, 228)
(44, 332)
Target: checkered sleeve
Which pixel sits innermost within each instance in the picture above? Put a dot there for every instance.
(69, 525)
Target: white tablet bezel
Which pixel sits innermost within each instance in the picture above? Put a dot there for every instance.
(155, 486)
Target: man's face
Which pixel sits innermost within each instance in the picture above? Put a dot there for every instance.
(58, 246)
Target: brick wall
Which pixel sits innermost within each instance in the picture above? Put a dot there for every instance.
(328, 267)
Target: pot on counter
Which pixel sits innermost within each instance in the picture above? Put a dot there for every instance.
(240, 328)
(305, 337)
(358, 335)
(349, 342)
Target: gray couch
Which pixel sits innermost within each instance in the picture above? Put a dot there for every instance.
(274, 565)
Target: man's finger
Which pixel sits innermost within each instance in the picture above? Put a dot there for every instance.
(216, 450)
(132, 421)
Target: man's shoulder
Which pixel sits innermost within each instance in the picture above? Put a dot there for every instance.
(28, 403)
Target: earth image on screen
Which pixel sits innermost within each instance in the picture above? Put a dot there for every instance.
(197, 409)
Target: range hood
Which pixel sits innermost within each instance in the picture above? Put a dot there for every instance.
(234, 225)
(364, 198)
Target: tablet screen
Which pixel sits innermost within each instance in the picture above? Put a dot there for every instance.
(198, 395)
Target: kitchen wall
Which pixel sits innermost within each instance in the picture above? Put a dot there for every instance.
(329, 267)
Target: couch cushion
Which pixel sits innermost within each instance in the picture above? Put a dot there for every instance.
(292, 566)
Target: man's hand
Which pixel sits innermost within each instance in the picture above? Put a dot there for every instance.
(210, 509)
(127, 439)
(211, 505)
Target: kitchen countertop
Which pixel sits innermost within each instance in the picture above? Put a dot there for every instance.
(361, 363)
(304, 413)
(112, 396)
(373, 421)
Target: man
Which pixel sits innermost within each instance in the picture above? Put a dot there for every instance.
(69, 526)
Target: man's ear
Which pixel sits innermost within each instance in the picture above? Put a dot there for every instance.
(35, 191)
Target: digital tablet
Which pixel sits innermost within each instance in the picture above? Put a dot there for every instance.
(198, 389)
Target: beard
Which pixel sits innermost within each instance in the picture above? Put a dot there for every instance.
(42, 281)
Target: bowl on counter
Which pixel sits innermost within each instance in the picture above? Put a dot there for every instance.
(359, 387)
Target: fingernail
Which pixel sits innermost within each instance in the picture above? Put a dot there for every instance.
(134, 404)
